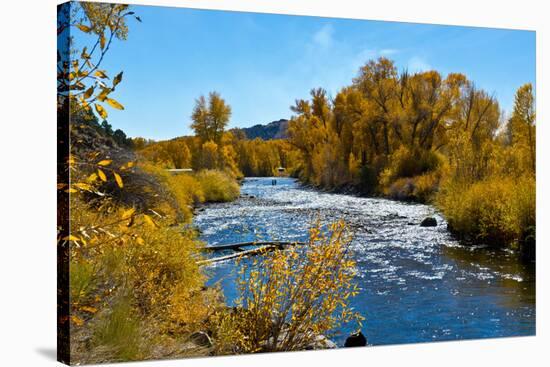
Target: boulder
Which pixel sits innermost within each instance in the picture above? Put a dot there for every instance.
(428, 222)
(356, 340)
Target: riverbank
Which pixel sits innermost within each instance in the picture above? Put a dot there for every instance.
(135, 289)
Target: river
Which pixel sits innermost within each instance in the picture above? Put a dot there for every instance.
(417, 284)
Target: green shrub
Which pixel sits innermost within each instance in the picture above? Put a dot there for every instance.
(218, 186)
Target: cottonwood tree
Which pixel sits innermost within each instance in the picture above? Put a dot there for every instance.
(521, 126)
(210, 117)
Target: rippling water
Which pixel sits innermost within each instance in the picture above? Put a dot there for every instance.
(417, 284)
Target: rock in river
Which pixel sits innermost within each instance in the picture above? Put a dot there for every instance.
(428, 222)
(356, 340)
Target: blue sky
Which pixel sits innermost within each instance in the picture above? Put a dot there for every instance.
(260, 63)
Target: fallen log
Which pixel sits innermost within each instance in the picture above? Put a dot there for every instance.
(254, 251)
(237, 246)
(262, 248)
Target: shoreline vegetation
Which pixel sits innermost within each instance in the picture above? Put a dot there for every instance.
(134, 287)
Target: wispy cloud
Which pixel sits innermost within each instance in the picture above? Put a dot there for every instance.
(388, 51)
(324, 36)
(418, 64)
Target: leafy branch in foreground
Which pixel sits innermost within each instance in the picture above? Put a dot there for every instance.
(290, 298)
(79, 76)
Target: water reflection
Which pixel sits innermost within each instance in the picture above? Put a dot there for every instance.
(516, 277)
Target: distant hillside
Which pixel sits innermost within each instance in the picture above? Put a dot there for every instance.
(273, 130)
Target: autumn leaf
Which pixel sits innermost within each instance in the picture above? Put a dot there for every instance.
(101, 175)
(88, 92)
(102, 40)
(128, 213)
(149, 221)
(75, 66)
(101, 74)
(114, 104)
(103, 95)
(84, 28)
(140, 241)
(84, 54)
(118, 180)
(77, 86)
(105, 162)
(77, 320)
(71, 238)
(83, 186)
(92, 177)
(85, 104)
(127, 165)
(101, 111)
(88, 309)
(117, 79)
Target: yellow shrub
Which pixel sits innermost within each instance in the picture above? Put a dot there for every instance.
(135, 279)
(218, 186)
(495, 211)
(411, 175)
(134, 276)
(183, 191)
(425, 186)
(162, 264)
(289, 298)
(419, 188)
(405, 162)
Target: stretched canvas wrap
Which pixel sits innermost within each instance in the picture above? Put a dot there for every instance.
(233, 183)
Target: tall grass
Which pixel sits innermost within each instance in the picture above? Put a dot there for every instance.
(118, 332)
(82, 280)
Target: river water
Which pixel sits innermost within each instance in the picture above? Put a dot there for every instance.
(417, 284)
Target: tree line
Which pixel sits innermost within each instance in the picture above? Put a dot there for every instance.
(421, 136)
(215, 147)
(425, 137)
